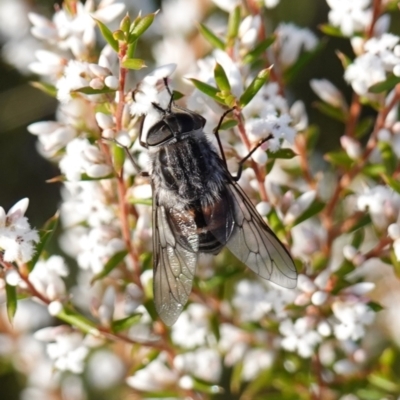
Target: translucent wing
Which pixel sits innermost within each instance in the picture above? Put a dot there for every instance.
(254, 243)
(175, 246)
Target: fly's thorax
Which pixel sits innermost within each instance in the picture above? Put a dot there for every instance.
(187, 171)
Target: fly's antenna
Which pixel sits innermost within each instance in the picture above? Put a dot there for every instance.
(171, 100)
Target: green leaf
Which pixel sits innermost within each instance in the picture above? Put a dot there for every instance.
(221, 79)
(236, 377)
(145, 202)
(207, 89)
(330, 111)
(254, 54)
(382, 382)
(140, 26)
(177, 95)
(393, 183)
(364, 127)
(330, 30)
(375, 306)
(125, 323)
(258, 82)
(86, 177)
(44, 235)
(386, 85)
(275, 223)
(304, 59)
(133, 63)
(285, 154)
(113, 262)
(358, 238)
(374, 170)
(213, 39)
(11, 293)
(312, 135)
(46, 88)
(107, 34)
(315, 208)
(233, 23)
(363, 221)
(340, 159)
(388, 156)
(228, 124)
(344, 59)
(89, 90)
(76, 319)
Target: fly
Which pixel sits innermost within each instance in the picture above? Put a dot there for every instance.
(198, 207)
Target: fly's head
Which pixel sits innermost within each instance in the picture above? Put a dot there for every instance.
(176, 124)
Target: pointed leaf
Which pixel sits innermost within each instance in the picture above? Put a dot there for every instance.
(388, 156)
(330, 111)
(315, 208)
(107, 34)
(304, 59)
(207, 89)
(140, 26)
(393, 183)
(46, 88)
(113, 262)
(254, 87)
(11, 293)
(44, 235)
(255, 54)
(330, 30)
(213, 39)
(286, 154)
(228, 124)
(221, 79)
(90, 90)
(233, 23)
(364, 127)
(134, 63)
(386, 85)
(125, 323)
(76, 319)
(340, 159)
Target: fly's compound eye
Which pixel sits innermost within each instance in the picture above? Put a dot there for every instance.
(158, 134)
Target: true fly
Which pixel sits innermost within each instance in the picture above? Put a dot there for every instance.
(198, 207)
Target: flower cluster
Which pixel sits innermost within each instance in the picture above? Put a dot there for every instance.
(338, 215)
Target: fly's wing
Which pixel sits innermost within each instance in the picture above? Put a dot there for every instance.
(254, 243)
(173, 264)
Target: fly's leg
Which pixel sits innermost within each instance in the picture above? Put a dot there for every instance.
(243, 160)
(130, 156)
(216, 133)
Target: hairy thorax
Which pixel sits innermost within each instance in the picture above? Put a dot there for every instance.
(187, 172)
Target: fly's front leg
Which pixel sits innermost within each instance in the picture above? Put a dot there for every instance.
(243, 160)
(216, 133)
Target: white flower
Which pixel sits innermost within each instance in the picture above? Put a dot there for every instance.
(365, 71)
(382, 203)
(82, 157)
(299, 336)
(350, 16)
(67, 348)
(16, 236)
(204, 363)
(226, 5)
(46, 277)
(152, 90)
(328, 92)
(291, 40)
(52, 135)
(351, 146)
(48, 64)
(248, 30)
(192, 327)
(255, 361)
(155, 376)
(271, 3)
(352, 315)
(299, 206)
